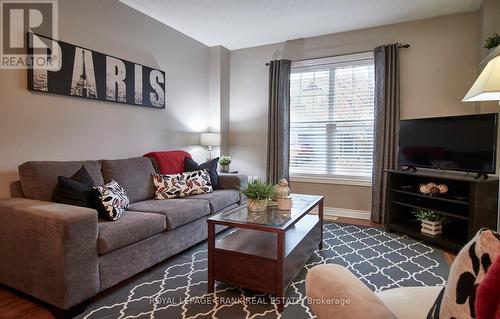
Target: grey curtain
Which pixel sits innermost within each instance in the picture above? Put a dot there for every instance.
(386, 134)
(278, 140)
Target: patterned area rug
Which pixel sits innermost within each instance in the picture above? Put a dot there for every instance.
(177, 287)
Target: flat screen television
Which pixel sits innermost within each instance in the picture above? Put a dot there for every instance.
(459, 143)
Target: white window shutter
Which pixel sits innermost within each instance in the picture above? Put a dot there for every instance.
(332, 110)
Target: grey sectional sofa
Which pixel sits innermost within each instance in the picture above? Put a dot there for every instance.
(63, 254)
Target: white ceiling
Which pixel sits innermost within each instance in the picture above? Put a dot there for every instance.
(237, 24)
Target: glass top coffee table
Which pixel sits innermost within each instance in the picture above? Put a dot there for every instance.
(267, 249)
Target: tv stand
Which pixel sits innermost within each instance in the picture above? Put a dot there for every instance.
(481, 176)
(469, 205)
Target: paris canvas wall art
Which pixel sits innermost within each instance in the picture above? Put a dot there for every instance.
(85, 73)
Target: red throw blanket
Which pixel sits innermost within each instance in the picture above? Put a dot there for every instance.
(171, 162)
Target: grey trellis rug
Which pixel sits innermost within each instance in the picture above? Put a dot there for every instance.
(177, 288)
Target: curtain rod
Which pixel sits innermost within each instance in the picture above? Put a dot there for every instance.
(401, 46)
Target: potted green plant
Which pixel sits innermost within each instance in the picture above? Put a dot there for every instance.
(431, 222)
(259, 194)
(492, 42)
(224, 162)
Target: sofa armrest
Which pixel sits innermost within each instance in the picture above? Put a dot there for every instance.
(232, 181)
(334, 292)
(49, 250)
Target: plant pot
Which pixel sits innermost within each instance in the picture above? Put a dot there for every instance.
(257, 205)
(224, 168)
(431, 228)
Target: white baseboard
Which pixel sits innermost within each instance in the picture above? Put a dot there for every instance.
(345, 212)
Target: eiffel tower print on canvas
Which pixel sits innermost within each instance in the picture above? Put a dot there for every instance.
(89, 74)
(83, 85)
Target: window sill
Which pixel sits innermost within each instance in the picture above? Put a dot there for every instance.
(332, 180)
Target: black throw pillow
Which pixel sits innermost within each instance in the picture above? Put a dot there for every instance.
(77, 190)
(211, 166)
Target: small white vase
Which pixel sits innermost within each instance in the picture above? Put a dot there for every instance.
(431, 228)
(257, 205)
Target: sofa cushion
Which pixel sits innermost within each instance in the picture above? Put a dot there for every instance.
(133, 174)
(131, 228)
(39, 178)
(177, 211)
(156, 165)
(219, 199)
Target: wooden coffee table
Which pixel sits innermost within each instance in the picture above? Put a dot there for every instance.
(267, 249)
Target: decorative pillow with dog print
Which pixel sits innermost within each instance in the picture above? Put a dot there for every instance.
(457, 298)
(112, 201)
(182, 184)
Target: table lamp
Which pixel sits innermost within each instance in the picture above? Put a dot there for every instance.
(210, 140)
(487, 85)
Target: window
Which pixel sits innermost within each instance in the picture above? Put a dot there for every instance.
(331, 106)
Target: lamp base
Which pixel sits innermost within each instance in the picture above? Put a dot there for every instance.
(210, 152)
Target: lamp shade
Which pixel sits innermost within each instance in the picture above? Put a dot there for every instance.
(210, 139)
(487, 85)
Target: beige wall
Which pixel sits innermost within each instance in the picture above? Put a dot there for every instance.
(219, 95)
(339, 196)
(36, 126)
(436, 72)
(490, 22)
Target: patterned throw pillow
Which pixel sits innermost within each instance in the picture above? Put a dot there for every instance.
(211, 166)
(165, 186)
(457, 298)
(112, 201)
(181, 185)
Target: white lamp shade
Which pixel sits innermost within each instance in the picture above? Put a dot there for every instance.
(487, 85)
(210, 139)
